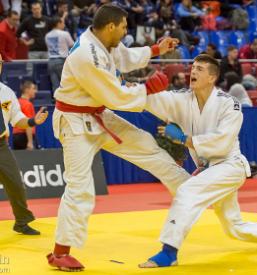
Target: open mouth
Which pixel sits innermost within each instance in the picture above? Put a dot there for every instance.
(193, 79)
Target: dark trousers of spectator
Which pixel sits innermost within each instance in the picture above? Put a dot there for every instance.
(11, 179)
(20, 141)
(55, 66)
(189, 23)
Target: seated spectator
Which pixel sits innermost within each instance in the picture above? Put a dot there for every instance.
(58, 44)
(25, 138)
(236, 89)
(190, 16)
(178, 82)
(249, 82)
(175, 54)
(36, 26)
(8, 39)
(249, 51)
(230, 63)
(212, 51)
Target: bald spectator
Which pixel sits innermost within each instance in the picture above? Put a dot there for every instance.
(8, 40)
(249, 51)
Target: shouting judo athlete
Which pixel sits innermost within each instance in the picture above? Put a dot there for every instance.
(210, 121)
(84, 124)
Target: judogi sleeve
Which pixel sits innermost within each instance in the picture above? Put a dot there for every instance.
(104, 87)
(165, 105)
(130, 59)
(15, 111)
(220, 142)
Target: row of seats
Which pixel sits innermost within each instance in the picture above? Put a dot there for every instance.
(16, 73)
(222, 39)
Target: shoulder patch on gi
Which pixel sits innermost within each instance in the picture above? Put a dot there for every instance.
(6, 105)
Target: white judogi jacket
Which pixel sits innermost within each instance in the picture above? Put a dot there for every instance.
(214, 131)
(89, 79)
(10, 106)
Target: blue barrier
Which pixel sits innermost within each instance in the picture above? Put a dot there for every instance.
(126, 172)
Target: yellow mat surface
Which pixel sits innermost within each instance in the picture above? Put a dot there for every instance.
(129, 238)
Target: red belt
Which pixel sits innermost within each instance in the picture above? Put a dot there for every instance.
(94, 111)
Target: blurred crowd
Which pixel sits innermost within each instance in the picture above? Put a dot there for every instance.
(47, 30)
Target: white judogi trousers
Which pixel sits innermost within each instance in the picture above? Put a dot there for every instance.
(140, 148)
(215, 186)
(78, 200)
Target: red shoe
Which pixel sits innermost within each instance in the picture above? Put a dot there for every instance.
(64, 262)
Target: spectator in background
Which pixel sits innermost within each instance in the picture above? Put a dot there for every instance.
(36, 26)
(212, 51)
(249, 51)
(58, 44)
(63, 12)
(249, 82)
(178, 81)
(135, 13)
(8, 40)
(230, 63)
(190, 16)
(236, 89)
(25, 138)
(14, 5)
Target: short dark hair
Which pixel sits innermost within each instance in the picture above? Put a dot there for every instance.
(231, 48)
(107, 14)
(231, 79)
(174, 78)
(213, 46)
(25, 85)
(55, 21)
(214, 65)
(36, 2)
(11, 12)
(62, 2)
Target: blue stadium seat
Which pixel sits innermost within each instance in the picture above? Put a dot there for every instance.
(251, 10)
(14, 69)
(14, 82)
(184, 52)
(39, 69)
(44, 82)
(204, 38)
(220, 38)
(252, 27)
(238, 38)
(197, 50)
(223, 50)
(43, 97)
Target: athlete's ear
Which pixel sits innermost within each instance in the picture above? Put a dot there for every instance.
(111, 27)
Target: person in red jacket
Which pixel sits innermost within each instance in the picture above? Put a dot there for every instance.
(249, 51)
(25, 138)
(8, 28)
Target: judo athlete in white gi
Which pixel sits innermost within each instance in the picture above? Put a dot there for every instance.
(84, 125)
(210, 121)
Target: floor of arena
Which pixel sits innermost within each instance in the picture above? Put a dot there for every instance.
(124, 231)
